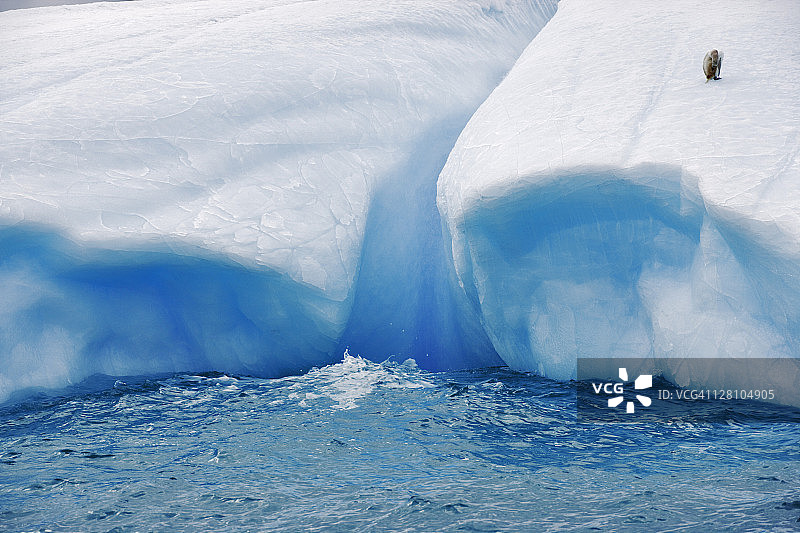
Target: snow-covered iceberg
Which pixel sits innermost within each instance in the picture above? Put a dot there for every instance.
(251, 187)
(201, 184)
(606, 202)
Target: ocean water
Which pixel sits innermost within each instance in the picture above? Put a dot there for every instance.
(362, 446)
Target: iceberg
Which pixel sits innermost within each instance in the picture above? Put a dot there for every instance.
(606, 202)
(222, 185)
(259, 187)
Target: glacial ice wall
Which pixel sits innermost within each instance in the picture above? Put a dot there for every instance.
(606, 201)
(189, 185)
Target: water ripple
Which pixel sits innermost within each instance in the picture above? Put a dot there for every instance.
(364, 446)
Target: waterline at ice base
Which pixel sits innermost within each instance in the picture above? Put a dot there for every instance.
(254, 188)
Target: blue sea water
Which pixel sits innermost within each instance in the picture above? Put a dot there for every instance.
(362, 446)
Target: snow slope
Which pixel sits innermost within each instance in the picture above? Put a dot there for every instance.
(187, 184)
(606, 201)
